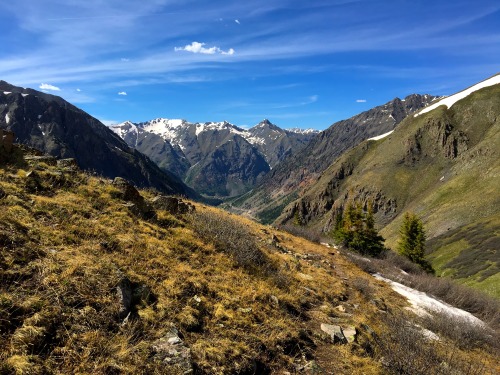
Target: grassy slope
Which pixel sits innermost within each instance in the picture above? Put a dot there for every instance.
(65, 248)
(450, 194)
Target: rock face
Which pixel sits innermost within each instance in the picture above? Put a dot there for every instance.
(338, 334)
(285, 182)
(54, 126)
(216, 159)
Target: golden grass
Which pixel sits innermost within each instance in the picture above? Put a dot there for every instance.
(70, 247)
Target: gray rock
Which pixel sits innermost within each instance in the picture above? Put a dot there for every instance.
(130, 194)
(172, 351)
(69, 163)
(173, 205)
(338, 334)
(124, 294)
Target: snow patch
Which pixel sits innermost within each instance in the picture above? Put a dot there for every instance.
(7, 118)
(450, 100)
(7, 92)
(422, 303)
(380, 136)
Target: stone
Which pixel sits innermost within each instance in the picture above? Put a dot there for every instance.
(338, 334)
(69, 163)
(172, 351)
(124, 294)
(274, 301)
(129, 193)
(7, 140)
(349, 333)
(173, 205)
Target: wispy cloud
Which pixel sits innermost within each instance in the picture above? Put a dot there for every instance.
(123, 93)
(237, 21)
(197, 47)
(46, 86)
(360, 100)
(124, 59)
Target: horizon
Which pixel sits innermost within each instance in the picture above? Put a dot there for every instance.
(298, 65)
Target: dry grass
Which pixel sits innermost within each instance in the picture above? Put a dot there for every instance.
(241, 305)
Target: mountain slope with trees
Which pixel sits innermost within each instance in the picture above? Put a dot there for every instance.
(442, 165)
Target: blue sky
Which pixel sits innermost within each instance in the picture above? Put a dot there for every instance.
(297, 63)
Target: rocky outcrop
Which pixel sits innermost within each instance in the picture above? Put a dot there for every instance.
(130, 194)
(173, 205)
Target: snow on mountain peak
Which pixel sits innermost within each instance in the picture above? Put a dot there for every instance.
(452, 99)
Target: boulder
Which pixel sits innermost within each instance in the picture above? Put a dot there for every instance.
(172, 351)
(136, 202)
(338, 334)
(174, 205)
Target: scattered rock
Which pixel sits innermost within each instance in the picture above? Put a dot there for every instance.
(174, 205)
(69, 163)
(338, 334)
(33, 183)
(172, 351)
(274, 300)
(245, 310)
(129, 193)
(124, 293)
(340, 308)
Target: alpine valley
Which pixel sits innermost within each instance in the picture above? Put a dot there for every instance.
(114, 260)
(217, 159)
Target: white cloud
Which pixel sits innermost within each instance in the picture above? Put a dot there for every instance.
(237, 21)
(361, 101)
(197, 47)
(46, 86)
(124, 59)
(122, 93)
(78, 90)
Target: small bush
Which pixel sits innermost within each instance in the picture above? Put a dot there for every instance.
(304, 232)
(231, 237)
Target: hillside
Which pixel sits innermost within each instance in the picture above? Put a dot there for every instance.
(443, 165)
(98, 278)
(56, 127)
(217, 159)
(290, 178)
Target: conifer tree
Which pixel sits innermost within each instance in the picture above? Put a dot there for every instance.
(412, 240)
(355, 229)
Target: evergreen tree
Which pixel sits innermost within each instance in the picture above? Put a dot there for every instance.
(412, 240)
(355, 229)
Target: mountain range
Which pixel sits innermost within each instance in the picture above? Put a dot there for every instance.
(216, 159)
(54, 126)
(287, 181)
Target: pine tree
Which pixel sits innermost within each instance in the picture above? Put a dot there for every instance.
(412, 240)
(355, 229)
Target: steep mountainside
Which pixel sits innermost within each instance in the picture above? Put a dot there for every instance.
(56, 127)
(89, 285)
(288, 179)
(444, 165)
(215, 158)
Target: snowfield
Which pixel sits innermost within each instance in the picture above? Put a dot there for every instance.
(450, 100)
(380, 136)
(423, 304)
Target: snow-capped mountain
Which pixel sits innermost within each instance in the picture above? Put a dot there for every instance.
(184, 147)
